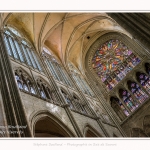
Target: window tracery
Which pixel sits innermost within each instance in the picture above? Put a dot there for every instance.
(127, 99)
(79, 107)
(45, 91)
(95, 106)
(112, 61)
(74, 103)
(68, 100)
(144, 80)
(19, 49)
(24, 82)
(137, 93)
(119, 108)
(140, 95)
(80, 81)
(55, 68)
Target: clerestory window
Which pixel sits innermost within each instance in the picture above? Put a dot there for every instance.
(20, 49)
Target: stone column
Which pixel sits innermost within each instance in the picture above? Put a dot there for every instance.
(60, 98)
(90, 109)
(108, 109)
(13, 106)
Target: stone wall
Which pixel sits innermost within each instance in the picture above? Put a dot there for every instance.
(34, 105)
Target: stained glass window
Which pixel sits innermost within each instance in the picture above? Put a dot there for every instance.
(57, 70)
(20, 49)
(24, 83)
(112, 61)
(144, 81)
(127, 99)
(137, 91)
(121, 106)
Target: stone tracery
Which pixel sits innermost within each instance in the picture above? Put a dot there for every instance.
(126, 88)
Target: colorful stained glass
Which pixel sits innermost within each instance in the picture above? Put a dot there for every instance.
(117, 101)
(137, 91)
(144, 81)
(113, 57)
(126, 97)
(123, 108)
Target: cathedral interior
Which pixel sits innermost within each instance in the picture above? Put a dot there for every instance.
(74, 74)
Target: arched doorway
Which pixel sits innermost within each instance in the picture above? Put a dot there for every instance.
(47, 127)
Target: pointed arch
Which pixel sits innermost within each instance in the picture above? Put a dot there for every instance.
(90, 131)
(24, 81)
(55, 126)
(114, 135)
(21, 49)
(119, 108)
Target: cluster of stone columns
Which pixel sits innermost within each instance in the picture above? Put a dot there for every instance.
(16, 121)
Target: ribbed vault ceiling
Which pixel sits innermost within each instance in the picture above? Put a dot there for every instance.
(65, 34)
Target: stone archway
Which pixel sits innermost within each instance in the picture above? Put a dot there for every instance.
(46, 127)
(89, 131)
(46, 124)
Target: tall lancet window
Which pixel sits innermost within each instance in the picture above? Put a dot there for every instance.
(119, 108)
(127, 99)
(144, 81)
(80, 81)
(20, 49)
(56, 69)
(112, 61)
(137, 91)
